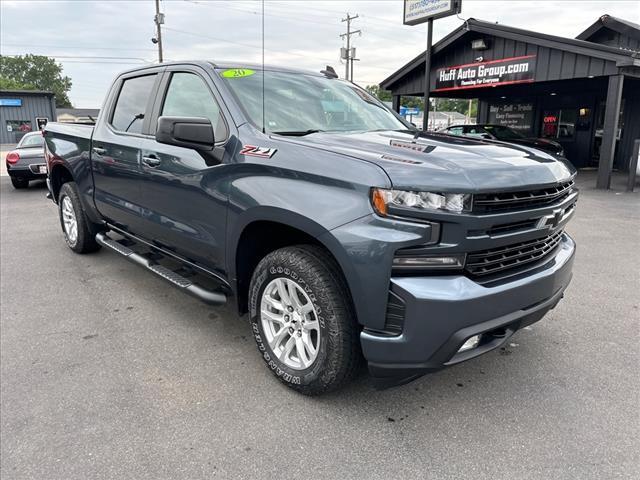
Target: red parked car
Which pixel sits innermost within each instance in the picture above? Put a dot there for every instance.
(26, 162)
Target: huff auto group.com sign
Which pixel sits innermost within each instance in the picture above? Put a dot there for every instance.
(487, 74)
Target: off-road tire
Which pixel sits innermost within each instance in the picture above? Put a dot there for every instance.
(19, 183)
(86, 236)
(339, 355)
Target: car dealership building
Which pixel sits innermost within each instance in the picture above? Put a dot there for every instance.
(583, 93)
(23, 111)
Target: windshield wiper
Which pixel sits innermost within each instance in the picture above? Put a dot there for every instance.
(298, 133)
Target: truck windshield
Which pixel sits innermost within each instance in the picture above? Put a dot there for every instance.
(300, 104)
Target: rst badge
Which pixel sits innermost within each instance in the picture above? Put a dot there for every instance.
(262, 152)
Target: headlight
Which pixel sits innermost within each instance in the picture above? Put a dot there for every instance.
(382, 199)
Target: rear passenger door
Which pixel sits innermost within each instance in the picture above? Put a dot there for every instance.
(183, 197)
(116, 144)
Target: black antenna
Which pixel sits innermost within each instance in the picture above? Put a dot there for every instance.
(263, 115)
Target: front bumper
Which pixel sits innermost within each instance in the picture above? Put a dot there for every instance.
(441, 313)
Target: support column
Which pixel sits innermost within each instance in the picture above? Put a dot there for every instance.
(395, 103)
(611, 119)
(482, 114)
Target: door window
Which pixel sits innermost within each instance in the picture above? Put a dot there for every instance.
(189, 96)
(128, 115)
(455, 131)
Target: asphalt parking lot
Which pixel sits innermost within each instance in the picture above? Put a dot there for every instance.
(108, 372)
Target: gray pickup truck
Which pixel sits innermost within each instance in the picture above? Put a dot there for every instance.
(339, 228)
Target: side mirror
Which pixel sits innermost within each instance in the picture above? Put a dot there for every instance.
(187, 132)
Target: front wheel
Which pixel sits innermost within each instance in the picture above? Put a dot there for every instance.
(303, 321)
(77, 230)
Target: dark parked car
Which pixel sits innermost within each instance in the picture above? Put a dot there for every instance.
(505, 134)
(26, 162)
(339, 228)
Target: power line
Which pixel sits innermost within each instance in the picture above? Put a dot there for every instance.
(87, 47)
(83, 56)
(247, 45)
(296, 19)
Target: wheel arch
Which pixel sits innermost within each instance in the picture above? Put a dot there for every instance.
(271, 229)
(58, 176)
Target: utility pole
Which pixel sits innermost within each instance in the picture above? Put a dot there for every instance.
(349, 55)
(159, 20)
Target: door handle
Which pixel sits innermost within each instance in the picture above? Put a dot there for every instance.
(99, 151)
(151, 161)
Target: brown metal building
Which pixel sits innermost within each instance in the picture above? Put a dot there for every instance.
(584, 93)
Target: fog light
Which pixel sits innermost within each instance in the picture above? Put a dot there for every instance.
(470, 343)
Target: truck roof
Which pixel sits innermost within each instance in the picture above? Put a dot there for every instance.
(228, 64)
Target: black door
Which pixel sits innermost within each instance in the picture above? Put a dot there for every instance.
(116, 155)
(183, 197)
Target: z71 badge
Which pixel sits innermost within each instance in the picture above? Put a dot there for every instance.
(261, 152)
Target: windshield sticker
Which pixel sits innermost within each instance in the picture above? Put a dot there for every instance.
(237, 73)
(416, 147)
(262, 152)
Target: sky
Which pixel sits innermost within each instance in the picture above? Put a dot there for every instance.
(94, 40)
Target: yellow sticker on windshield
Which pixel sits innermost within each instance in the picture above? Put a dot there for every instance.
(237, 73)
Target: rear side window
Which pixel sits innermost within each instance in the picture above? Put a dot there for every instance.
(455, 131)
(189, 96)
(128, 115)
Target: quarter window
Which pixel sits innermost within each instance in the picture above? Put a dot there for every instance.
(128, 115)
(189, 96)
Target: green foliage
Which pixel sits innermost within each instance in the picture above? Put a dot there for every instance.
(35, 72)
(382, 95)
(459, 105)
(11, 84)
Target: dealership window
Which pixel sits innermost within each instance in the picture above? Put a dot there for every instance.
(18, 126)
(559, 124)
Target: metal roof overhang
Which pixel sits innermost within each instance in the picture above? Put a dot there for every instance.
(623, 58)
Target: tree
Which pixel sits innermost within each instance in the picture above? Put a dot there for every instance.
(382, 95)
(9, 84)
(460, 105)
(35, 72)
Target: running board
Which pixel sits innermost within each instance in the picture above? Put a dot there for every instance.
(207, 296)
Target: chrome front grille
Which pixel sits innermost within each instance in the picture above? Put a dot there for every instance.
(498, 202)
(508, 259)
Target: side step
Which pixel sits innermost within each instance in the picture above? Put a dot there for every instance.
(208, 296)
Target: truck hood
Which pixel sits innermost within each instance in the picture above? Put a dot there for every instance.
(432, 161)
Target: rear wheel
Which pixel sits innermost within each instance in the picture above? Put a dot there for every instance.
(303, 321)
(78, 231)
(19, 183)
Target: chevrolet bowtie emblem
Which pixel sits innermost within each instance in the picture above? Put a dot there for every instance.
(552, 220)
